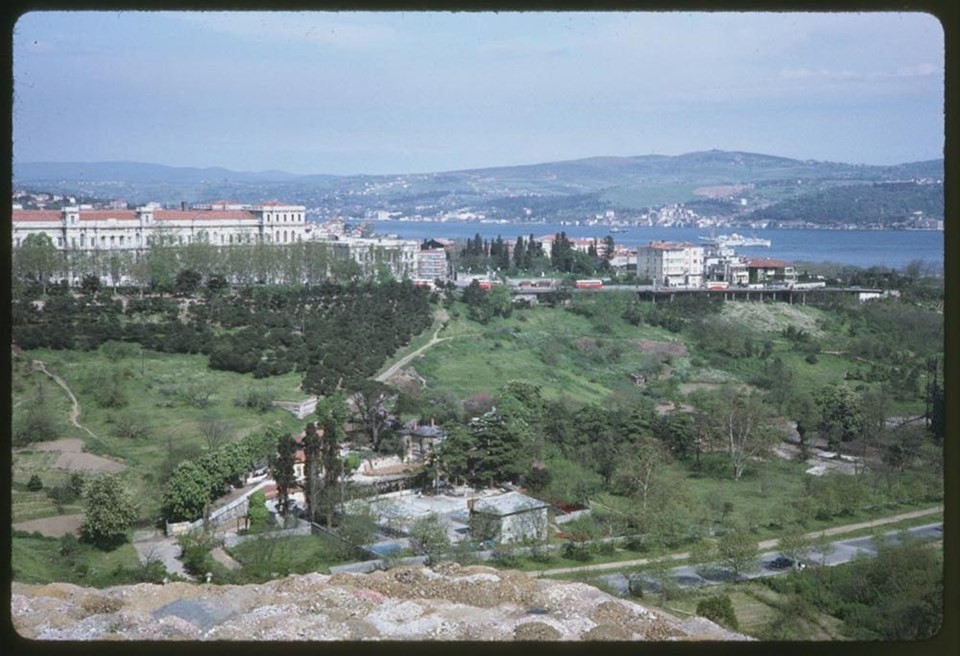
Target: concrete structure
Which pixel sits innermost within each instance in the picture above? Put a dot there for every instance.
(83, 228)
(671, 264)
(516, 517)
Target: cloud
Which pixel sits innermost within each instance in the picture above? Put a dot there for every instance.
(919, 70)
(338, 30)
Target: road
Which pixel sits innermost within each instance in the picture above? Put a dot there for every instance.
(843, 551)
(766, 544)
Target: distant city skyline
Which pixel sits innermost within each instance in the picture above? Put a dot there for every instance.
(414, 92)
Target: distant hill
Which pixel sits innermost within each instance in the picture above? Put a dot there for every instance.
(883, 204)
(137, 172)
(545, 191)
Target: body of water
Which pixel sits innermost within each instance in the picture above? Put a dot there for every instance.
(862, 248)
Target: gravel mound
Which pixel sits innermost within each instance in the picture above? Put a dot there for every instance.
(409, 603)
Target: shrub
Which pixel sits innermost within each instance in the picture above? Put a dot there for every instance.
(576, 551)
(35, 484)
(129, 426)
(719, 609)
(37, 426)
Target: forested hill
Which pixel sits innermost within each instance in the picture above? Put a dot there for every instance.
(713, 183)
(886, 204)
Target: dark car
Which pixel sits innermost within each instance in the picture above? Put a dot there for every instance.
(780, 562)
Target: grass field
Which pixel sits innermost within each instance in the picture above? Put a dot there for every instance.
(561, 351)
(170, 396)
(39, 560)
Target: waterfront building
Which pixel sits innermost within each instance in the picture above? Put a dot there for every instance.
(83, 228)
(671, 264)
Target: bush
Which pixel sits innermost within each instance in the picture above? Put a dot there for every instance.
(35, 484)
(196, 547)
(256, 398)
(719, 609)
(61, 496)
(576, 551)
(128, 426)
(37, 426)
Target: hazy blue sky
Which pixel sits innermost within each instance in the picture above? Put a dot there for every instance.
(416, 92)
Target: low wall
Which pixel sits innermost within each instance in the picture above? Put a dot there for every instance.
(233, 540)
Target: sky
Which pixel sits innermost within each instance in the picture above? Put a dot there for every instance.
(409, 92)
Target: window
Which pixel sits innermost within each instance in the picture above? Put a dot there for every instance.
(60, 242)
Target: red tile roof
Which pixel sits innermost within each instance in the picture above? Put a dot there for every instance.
(201, 215)
(36, 215)
(102, 215)
(767, 263)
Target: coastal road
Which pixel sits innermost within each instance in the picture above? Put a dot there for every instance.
(843, 551)
(765, 545)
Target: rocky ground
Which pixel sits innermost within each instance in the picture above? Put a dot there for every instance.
(448, 602)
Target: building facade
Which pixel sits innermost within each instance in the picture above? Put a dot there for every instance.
(372, 254)
(432, 264)
(671, 264)
(82, 228)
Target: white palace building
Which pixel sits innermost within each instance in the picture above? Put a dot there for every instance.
(81, 228)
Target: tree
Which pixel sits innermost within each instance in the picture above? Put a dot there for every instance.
(794, 544)
(332, 413)
(108, 513)
(312, 484)
(257, 513)
(369, 401)
(37, 259)
(738, 551)
(429, 535)
(90, 284)
(634, 476)
(187, 282)
(215, 430)
(187, 493)
(737, 422)
(281, 469)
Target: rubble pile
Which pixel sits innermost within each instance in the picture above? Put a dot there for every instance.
(448, 602)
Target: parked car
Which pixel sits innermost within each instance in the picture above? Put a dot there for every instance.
(780, 562)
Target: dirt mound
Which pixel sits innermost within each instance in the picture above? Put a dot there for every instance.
(73, 458)
(53, 527)
(411, 603)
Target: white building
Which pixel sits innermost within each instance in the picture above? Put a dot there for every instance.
(671, 264)
(80, 228)
(432, 264)
(514, 517)
(399, 256)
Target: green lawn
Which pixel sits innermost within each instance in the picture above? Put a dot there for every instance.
(163, 393)
(264, 557)
(561, 351)
(39, 560)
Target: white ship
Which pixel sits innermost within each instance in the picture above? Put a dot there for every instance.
(733, 239)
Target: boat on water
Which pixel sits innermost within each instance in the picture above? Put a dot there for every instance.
(735, 239)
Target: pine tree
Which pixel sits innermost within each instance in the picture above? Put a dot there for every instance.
(282, 470)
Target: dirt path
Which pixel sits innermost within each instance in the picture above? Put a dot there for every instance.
(441, 318)
(75, 410)
(766, 544)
